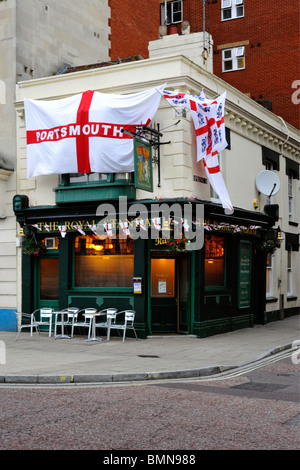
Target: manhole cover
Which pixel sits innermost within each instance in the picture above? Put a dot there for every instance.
(259, 387)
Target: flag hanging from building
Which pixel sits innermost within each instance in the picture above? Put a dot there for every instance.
(83, 133)
(209, 123)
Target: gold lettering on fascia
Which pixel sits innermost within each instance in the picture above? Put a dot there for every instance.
(73, 225)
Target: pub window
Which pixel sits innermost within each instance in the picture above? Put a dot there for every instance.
(289, 271)
(103, 263)
(87, 178)
(214, 261)
(95, 178)
(269, 275)
(49, 278)
(291, 197)
(270, 159)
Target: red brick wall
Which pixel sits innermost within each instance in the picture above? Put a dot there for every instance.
(271, 58)
(133, 24)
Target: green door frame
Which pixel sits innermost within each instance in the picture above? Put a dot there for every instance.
(191, 288)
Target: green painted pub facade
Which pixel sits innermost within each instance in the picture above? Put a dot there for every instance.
(215, 289)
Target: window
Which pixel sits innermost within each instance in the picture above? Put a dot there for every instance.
(214, 261)
(103, 263)
(49, 278)
(291, 197)
(163, 277)
(269, 275)
(232, 9)
(233, 59)
(289, 271)
(98, 177)
(171, 12)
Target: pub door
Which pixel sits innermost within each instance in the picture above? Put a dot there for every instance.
(170, 294)
(47, 282)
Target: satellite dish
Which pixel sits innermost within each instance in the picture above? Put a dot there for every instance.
(267, 182)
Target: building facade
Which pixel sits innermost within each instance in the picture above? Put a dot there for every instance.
(248, 42)
(219, 287)
(37, 38)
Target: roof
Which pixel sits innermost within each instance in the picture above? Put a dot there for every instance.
(69, 69)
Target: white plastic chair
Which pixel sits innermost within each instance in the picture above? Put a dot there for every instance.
(127, 325)
(82, 320)
(45, 318)
(70, 312)
(27, 320)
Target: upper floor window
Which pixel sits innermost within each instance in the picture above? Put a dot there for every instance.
(232, 9)
(269, 275)
(98, 177)
(171, 12)
(291, 197)
(292, 171)
(233, 59)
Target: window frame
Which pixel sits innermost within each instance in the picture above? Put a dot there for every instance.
(233, 7)
(289, 271)
(234, 58)
(269, 278)
(78, 288)
(167, 11)
(217, 287)
(291, 204)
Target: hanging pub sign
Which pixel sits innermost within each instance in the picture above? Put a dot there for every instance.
(143, 165)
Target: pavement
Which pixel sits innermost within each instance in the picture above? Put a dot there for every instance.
(43, 360)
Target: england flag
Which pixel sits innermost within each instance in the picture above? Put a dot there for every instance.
(83, 133)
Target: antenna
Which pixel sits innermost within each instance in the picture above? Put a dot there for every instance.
(267, 182)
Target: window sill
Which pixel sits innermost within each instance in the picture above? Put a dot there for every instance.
(233, 18)
(291, 297)
(294, 224)
(233, 70)
(271, 299)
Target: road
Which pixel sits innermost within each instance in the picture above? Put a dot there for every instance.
(251, 409)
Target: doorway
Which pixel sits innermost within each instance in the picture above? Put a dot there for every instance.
(47, 282)
(170, 294)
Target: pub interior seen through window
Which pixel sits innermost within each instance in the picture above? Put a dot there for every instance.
(103, 263)
(214, 261)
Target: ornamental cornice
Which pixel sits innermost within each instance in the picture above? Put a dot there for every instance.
(281, 138)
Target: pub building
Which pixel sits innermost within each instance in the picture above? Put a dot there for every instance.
(63, 262)
(218, 288)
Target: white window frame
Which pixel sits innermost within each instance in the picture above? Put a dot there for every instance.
(289, 271)
(168, 13)
(236, 54)
(269, 275)
(232, 9)
(291, 197)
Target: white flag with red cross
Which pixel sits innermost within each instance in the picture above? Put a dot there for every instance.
(83, 133)
(209, 124)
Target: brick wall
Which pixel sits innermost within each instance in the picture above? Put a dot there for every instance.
(133, 25)
(271, 55)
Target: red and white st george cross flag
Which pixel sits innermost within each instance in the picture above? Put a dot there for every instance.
(83, 133)
(208, 118)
